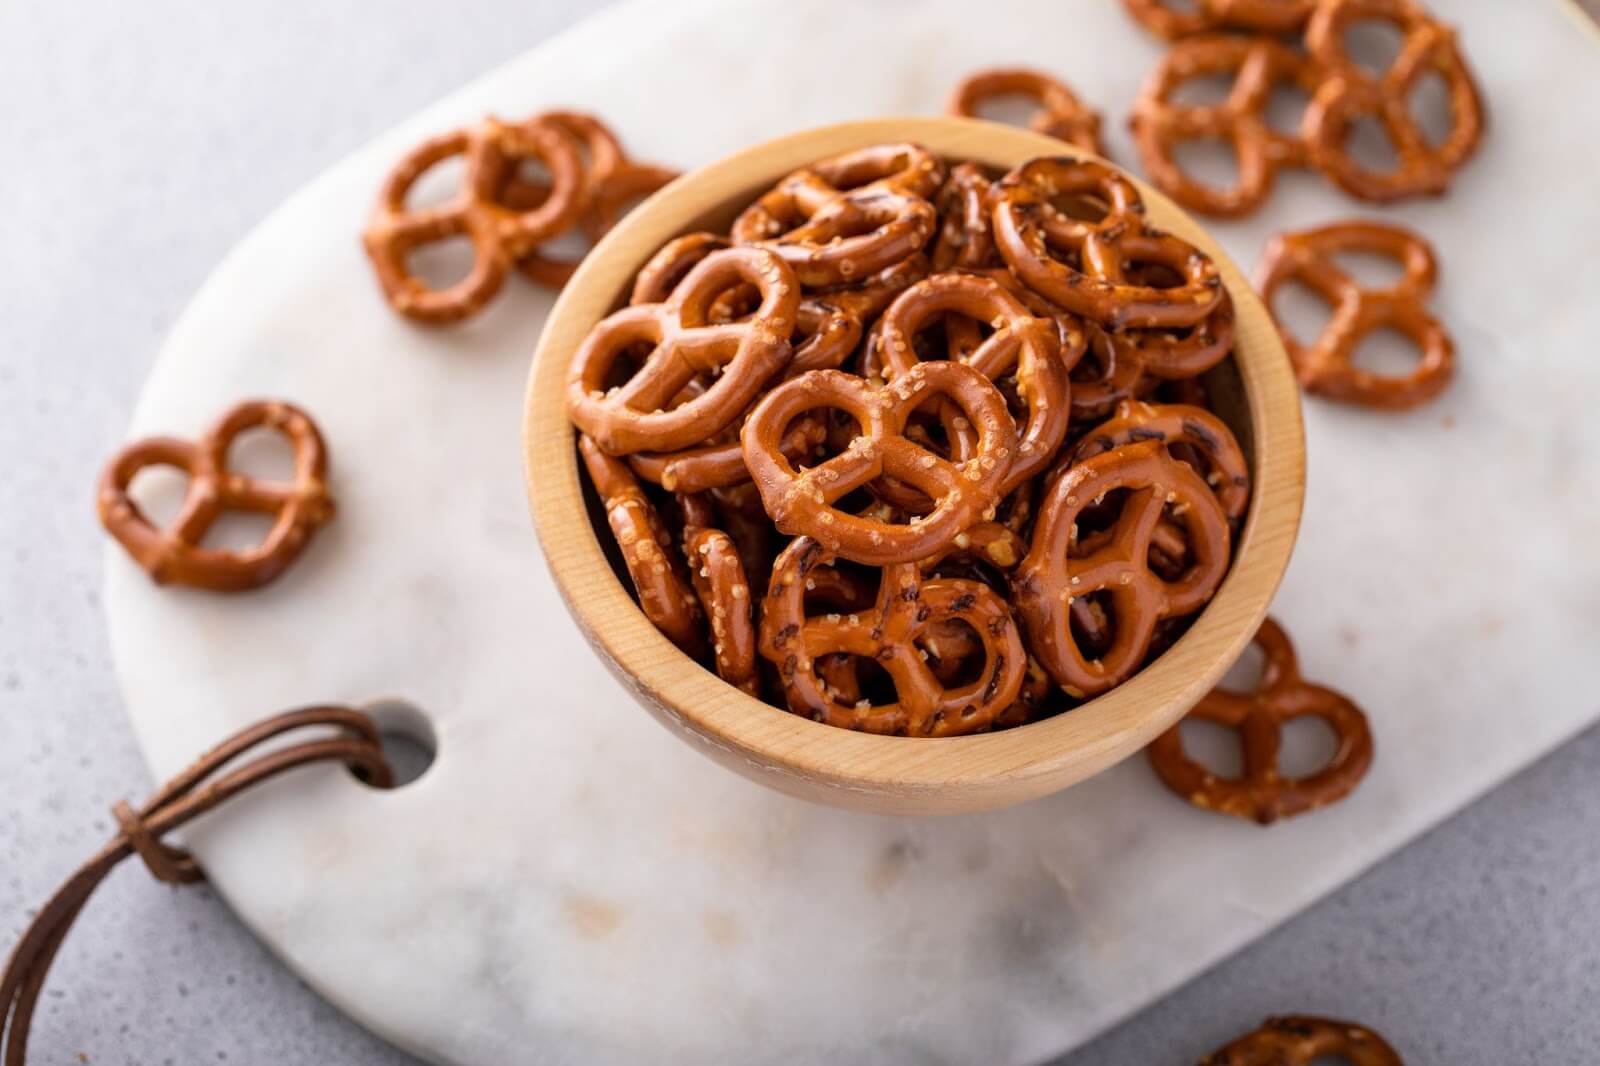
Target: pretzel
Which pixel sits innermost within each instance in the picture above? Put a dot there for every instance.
(633, 417)
(1177, 425)
(1302, 1041)
(1326, 366)
(1258, 16)
(1263, 794)
(1052, 576)
(499, 233)
(801, 502)
(1082, 265)
(717, 574)
(964, 237)
(632, 181)
(907, 605)
(1020, 344)
(1349, 92)
(1060, 115)
(844, 218)
(1257, 64)
(175, 555)
(646, 547)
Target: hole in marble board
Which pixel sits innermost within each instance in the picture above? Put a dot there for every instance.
(238, 531)
(1373, 44)
(440, 264)
(1016, 109)
(158, 492)
(409, 742)
(262, 453)
(1387, 353)
(1308, 745)
(1203, 90)
(1302, 315)
(1209, 161)
(1370, 270)
(437, 185)
(1286, 106)
(1429, 104)
(1244, 676)
(1368, 145)
(1216, 747)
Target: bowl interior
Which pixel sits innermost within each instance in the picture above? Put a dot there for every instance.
(1253, 392)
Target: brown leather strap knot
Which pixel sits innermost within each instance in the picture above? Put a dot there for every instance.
(167, 864)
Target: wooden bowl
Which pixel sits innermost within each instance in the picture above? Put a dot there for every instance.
(900, 775)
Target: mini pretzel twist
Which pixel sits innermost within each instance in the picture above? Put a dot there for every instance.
(1326, 365)
(1258, 65)
(1300, 1040)
(744, 355)
(1349, 92)
(842, 219)
(1084, 266)
(1257, 16)
(1263, 793)
(1021, 344)
(500, 234)
(1180, 425)
(1054, 575)
(887, 633)
(646, 548)
(1061, 114)
(802, 501)
(718, 576)
(965, 238)
(175, 555)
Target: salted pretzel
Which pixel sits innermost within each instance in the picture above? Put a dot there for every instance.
(964, 237)
(1060, 115)
(1204, 16)
(719, 465)
(1021, 344)
(718, 576)
(1159, 123)
(887, 633)
(850, 216)
(1053, 575)
(802, 501)
(1084, 265)
(500, 234)
(1263, 793)
(175, 555)
(634, 417)
(1326, 365)
(664, 596)
(1299, 1040)
(1349, 92)
(1176, 426)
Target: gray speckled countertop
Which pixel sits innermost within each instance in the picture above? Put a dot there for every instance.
(142, 142)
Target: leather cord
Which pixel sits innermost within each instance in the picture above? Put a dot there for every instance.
(205, 785)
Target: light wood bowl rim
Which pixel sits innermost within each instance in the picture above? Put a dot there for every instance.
(838, 766)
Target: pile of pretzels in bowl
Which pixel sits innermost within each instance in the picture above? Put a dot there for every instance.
(918, 448)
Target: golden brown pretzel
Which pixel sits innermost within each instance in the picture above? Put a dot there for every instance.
(719, 465)
(850, 216)
(175, 555)
(802, 502)
(1257, 64)
(647, 550)
(907, 606)
(1084, 265)
(964, 237)
(1263, 793)
(1021, 344)
(1300, 1040)
(634, 417)
(1326, 365)
(1053, 575)
(500, 234)
(1061, 114)
(671, 264)
(1348, 93)
(717, 574)
(1177, 424)
(1204, 16)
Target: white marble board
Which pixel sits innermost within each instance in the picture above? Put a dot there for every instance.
(570, 884)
